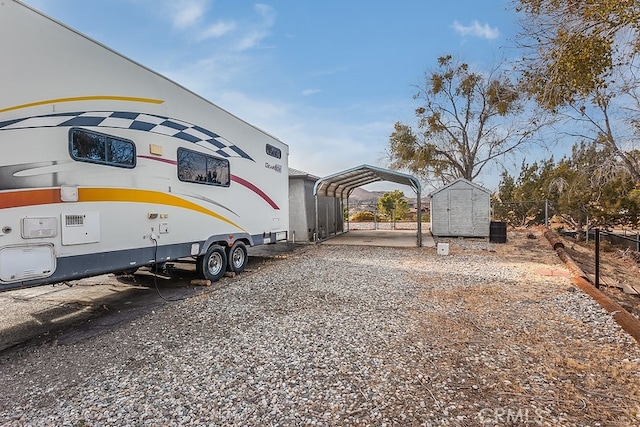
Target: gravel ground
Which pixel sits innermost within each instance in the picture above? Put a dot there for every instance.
(333, 335)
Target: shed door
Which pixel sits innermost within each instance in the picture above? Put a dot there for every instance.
(460, 212)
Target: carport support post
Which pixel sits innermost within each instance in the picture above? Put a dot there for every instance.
(375, 218)
(597, 258)
(326, 218)
(419, 219)
(315, 235)
(393, 215)
(348, 219)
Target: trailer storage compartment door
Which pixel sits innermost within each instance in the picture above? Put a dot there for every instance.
(26, 262)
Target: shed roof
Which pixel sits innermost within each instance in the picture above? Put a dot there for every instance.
(466, 181)
(297, 173)
(341, 184)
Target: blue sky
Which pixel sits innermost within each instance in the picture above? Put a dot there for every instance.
(329, 78)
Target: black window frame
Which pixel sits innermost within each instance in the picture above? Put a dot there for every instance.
(207, 159)
(107, 139)
(273, 151)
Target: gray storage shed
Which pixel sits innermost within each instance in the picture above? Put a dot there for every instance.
(302, 210)
(461, 209)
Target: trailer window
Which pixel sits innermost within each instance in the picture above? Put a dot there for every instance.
(202, 169)
(94, 147)
(274, 151)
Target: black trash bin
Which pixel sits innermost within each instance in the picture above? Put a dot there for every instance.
(498, 232)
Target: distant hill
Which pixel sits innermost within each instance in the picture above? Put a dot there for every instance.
(361, 195)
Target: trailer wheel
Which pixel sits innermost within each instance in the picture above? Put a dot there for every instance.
(213, 264)
(237, 256)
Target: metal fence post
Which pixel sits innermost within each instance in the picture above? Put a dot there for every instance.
(375, 218)
(587, 238)
(597, 258)
(546, 213)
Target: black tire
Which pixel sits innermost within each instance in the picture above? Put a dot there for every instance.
(213, 264)
(237, 257)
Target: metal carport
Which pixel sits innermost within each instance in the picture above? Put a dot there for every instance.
(341, 184)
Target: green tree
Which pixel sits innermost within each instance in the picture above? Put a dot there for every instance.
(462, 124)
(521, 201)
(578, 188)
(580, 59)
(393, 205)
(571, 48)
(502, 201)
(601, 192)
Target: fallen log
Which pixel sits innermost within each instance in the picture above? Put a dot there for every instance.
(625, 319)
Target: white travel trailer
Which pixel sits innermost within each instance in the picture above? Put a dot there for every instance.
(107, 166)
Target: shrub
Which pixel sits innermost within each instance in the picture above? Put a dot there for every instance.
(362, 217)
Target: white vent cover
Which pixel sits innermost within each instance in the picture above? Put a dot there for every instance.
(78, 229)
(34, 228)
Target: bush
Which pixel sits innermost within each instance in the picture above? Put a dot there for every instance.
(362, 217)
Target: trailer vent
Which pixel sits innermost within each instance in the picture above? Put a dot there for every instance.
(80, 228)
(74, 220)
(36, 228)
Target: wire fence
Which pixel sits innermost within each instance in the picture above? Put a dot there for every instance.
(383, 225)
(631, 242)
(593, 232)
(522, 213)
(577, 224)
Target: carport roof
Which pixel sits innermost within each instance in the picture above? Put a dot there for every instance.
(342, 183)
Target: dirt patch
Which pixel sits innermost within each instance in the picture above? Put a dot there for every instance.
(526, 354)
(615, 271)
(351, 336)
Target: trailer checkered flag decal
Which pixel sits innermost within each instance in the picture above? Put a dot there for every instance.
(132, 120)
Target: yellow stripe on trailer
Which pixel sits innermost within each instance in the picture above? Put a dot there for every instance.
(145, 196)
(84, 98)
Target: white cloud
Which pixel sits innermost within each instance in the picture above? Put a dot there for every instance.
(261, 30)
(191, 16)
(253, 110)
(328, 72)
(476, 29)
(308, 92)
(267, 13)
(211, 75)
(321, 141)
(218, 29)
(251, 40)
(187, 13)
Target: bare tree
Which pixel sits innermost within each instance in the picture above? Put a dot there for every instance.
(466, 121)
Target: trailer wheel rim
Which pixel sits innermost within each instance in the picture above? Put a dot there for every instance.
(238, 258)
(215, 263)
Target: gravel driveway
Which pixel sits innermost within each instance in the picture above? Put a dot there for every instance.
(333, 335)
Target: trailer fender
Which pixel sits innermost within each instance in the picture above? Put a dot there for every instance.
(225, 240)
